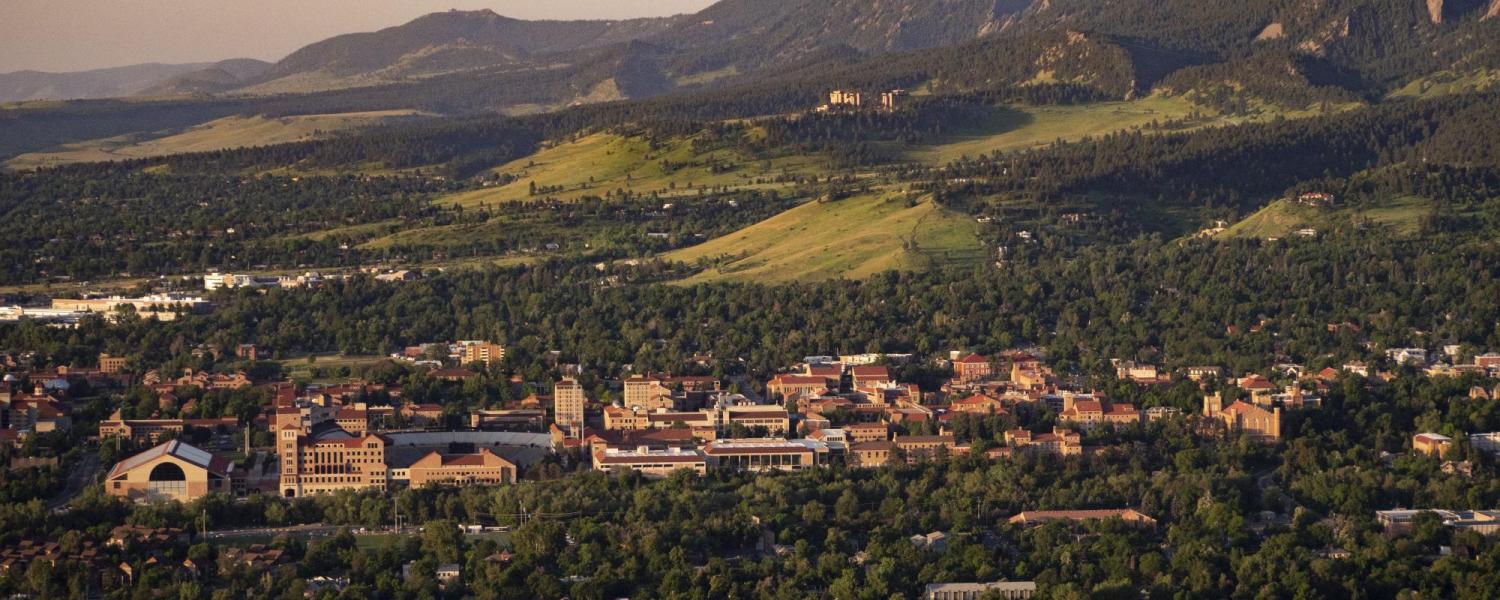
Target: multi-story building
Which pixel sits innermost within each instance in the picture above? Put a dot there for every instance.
(867, 432)
(845, 98)
(1240, 416)
(151, 430)
(1088, 414)
(164, 307)
(977, 404)
(111, 364)
(1431, 444)
(568, 402)
(654, 463)
(972, 368)
(796, 386)
(1401, 521)
(871, 454)
(774, 419)
(343, 462)
(999, 590)
(767, 454)
(314, 466)
(1205, 373)
(919, 447)
(871, 377)
(508, 419)
(657, 391)
(353, 419)
(470, 352)
(1060, 442)
(1486, 442)
(1407, 356)
(891, 99)
(479, 468)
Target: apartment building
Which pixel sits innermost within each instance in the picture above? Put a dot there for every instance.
(486, 353)
(568, 402)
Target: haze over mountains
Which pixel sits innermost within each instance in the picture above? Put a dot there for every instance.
(133, 80)
(1291, 53)
(742, 36)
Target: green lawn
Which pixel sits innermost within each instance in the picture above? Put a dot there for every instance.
(852, 238)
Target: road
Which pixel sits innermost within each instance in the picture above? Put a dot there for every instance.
(80, 477)
(312, 530)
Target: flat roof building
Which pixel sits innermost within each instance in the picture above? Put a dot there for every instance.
(1007, 590)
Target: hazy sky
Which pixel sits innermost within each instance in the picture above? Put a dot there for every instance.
(71, 35)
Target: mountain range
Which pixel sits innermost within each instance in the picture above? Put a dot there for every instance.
(143, 79)
(1289, 52)
(740, 37)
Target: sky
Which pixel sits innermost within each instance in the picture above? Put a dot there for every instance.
(73, 35)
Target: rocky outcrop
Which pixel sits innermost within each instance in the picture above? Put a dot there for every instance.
(1435, 11)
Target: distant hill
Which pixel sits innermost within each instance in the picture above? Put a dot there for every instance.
(441, 43)
(22, 86)
(218, 77)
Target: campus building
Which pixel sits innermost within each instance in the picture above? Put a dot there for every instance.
(170, 471)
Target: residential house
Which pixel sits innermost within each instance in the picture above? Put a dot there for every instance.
(1431, 444)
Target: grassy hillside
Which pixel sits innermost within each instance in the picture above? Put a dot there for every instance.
(1448, 82)
(219, 134)
(854, 237)
(595, 164)
(1031, 127)
(1282, 218)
